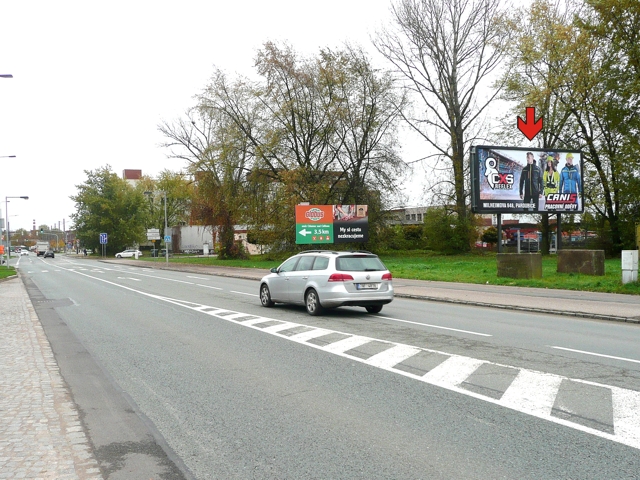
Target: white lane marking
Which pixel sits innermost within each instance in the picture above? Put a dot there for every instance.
(308, 335)
(240, 315)
(453, 371)
(596, 354)
(279, 328)
(345, 344)
(532, 392)
(197, 278)
(626, 415)
(435, 326)
(208, 286)
(130, 278)
(626, 403)
(392, 356)
(243, 293)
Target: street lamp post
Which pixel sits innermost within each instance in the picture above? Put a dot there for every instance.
(6, 214)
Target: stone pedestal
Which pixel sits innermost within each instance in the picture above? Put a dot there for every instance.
(587, 262)
(519, 265)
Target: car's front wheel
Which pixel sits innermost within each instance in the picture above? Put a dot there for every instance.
(312, 302)
(374, 308)
(265, 296)
(118, 256)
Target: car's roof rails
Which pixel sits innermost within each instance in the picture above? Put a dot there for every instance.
(319, 251)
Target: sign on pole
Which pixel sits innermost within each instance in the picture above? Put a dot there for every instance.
(167, 239)
(103, 239)
(153, 234)
(331, 224)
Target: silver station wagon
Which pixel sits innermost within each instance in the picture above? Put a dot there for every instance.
(320, 279)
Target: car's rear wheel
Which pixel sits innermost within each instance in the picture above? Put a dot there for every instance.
(265, 296)
(374, 308)
(312, 302)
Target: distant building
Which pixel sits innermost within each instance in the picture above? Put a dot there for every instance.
(407, 215)
(132, 176)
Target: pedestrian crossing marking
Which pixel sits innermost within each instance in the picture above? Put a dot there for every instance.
(530, 392)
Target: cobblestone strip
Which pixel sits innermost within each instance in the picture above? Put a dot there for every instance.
(41, 436)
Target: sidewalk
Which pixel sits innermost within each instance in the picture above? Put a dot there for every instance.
(40, 431)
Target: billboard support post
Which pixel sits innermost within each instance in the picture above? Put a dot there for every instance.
(499, 215)
(558, 234)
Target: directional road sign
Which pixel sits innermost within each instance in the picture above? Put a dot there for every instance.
(314, 224)
(103, 239)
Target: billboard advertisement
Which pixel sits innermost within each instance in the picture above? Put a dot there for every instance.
(331, 224)
(526, 180)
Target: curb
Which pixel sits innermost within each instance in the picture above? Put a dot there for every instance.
(594, 316)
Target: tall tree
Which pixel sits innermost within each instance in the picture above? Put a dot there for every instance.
(538, 67)
(105, 203)
(318, 129)
(218, 159)
(446, 50)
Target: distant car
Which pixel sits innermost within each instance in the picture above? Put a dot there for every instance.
(24, 252)
(320, 279)
(130, 252)
(160, 253)
(49, 253)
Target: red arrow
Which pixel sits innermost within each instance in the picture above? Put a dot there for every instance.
(530, 127)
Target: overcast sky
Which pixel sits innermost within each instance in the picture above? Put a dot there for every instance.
(92, 80)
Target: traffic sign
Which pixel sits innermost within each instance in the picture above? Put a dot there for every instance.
(103, 239)
(167, 239)
(153, 234)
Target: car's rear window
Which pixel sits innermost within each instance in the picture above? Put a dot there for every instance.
(359, 263)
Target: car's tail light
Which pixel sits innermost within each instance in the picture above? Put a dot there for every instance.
(386, 276)
(340, 277)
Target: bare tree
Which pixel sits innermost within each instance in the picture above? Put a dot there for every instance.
(447, 50)
(218, 157)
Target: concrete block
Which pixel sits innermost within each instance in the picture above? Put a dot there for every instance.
(587, 262)
(519, 265)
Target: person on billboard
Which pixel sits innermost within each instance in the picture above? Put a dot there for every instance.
(531, 182)
(569, 176)
(551, 177)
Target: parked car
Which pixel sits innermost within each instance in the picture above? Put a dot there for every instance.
(49, 253)
(130, 252)
(24, 252)
(320, 279)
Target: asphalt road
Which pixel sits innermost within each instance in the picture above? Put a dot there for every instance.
(208, 384)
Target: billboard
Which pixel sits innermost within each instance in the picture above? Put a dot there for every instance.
(331, 224)
(526, 180)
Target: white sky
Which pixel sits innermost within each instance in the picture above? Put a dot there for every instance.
(92, 80)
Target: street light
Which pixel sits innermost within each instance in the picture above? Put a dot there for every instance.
(166, 248)
(6, 214)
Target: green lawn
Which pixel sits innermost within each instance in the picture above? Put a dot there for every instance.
(461, 268)
(6, 272)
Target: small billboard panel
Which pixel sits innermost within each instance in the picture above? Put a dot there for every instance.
(526, 180)
(331, 224)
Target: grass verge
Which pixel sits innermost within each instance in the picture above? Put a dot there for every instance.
(460, 268)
